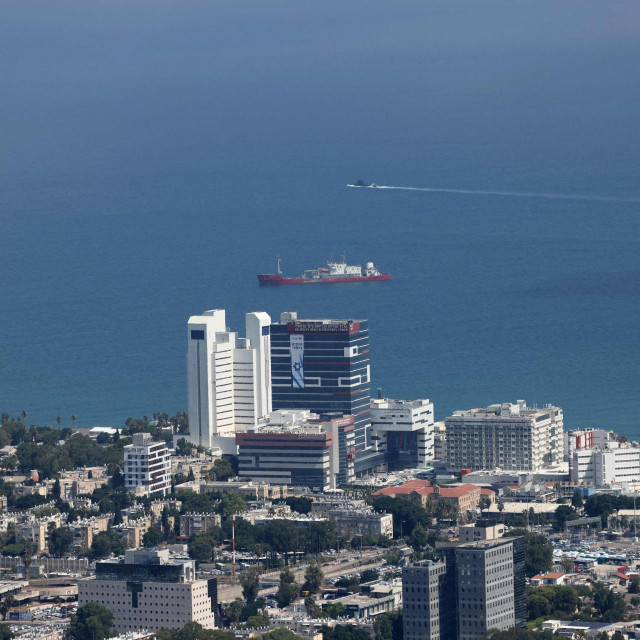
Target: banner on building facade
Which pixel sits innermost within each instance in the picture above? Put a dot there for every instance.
(297, 360)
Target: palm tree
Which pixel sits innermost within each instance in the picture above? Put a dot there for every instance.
(74, 417)
(59, 421)
(24, 414)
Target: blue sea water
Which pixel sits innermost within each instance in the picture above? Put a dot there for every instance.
(155, 156)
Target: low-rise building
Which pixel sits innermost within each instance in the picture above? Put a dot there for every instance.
(351, 523)
(481, 530)
(151, 590)
(464, 497)
(553, 578)
(133, 531)
(197, 524)
(373, 600)
(36, 531)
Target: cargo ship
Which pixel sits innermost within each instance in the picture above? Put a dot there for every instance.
(333, 272)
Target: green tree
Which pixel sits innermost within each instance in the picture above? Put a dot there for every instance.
(418, 538)
(634, 585)
(233, 610)
(60, 541)
(281, 634)
(257, 622)
(538, 553)
(576, 500)
(233, 502)
(393, 558)
(313, 578)
(564, 514)
(91, 621)
(287, 592)
(369, 575)
(201, 550)
(344, 632)
(388, 626)
(610, 605)
(250, 582)
(152, 538)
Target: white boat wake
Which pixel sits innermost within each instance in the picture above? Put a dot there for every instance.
(509, 194)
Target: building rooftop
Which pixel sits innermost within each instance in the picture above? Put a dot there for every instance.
(504, 410)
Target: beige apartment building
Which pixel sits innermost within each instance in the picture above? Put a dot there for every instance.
(150, 590)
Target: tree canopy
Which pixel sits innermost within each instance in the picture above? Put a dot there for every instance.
(92, 620)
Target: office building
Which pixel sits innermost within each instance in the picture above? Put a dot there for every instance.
(403, 430)
(605, 466)
(147, 466)
(151, 590)
(476, 586)
(299, 448)
(428, 602)
(485, 576)
(505, 436)
(324, 366)
(585, 439)
(229, 378)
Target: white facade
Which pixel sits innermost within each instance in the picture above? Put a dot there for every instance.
(147, 464)
(606, 466)
(401, 417)
(505, 436)
(149, 591)
(229, 377)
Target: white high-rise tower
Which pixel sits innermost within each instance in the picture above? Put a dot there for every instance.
(229, 377)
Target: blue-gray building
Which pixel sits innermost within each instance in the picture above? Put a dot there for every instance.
(323, 365)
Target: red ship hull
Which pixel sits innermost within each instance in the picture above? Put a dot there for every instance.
(275, 279)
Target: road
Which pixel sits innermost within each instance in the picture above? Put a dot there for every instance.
(369, 560)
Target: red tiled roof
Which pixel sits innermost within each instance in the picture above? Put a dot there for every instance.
(486, 491)
(424, 488)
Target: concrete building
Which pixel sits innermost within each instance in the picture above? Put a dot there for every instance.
(505, 436)
(481, 530)
(147, 466)
(229, 378)
(403, 430)
(351, 523)
(488, 580)
(324, 365)
(428, 602)
(440, 441)
(197, 524)
(299, 448)
(606, 466)
(373, 600)
(585, 439)
(36, 531)
(150, 590)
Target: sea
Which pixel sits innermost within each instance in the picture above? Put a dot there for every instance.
(156, 155)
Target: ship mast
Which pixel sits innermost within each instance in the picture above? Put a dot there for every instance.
(279, 271)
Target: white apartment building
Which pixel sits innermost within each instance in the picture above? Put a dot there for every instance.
(150, 590)
(605, 466)
(229, 378)
(587, 438)
(147, 466)
(505, 436)
(403, 429)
